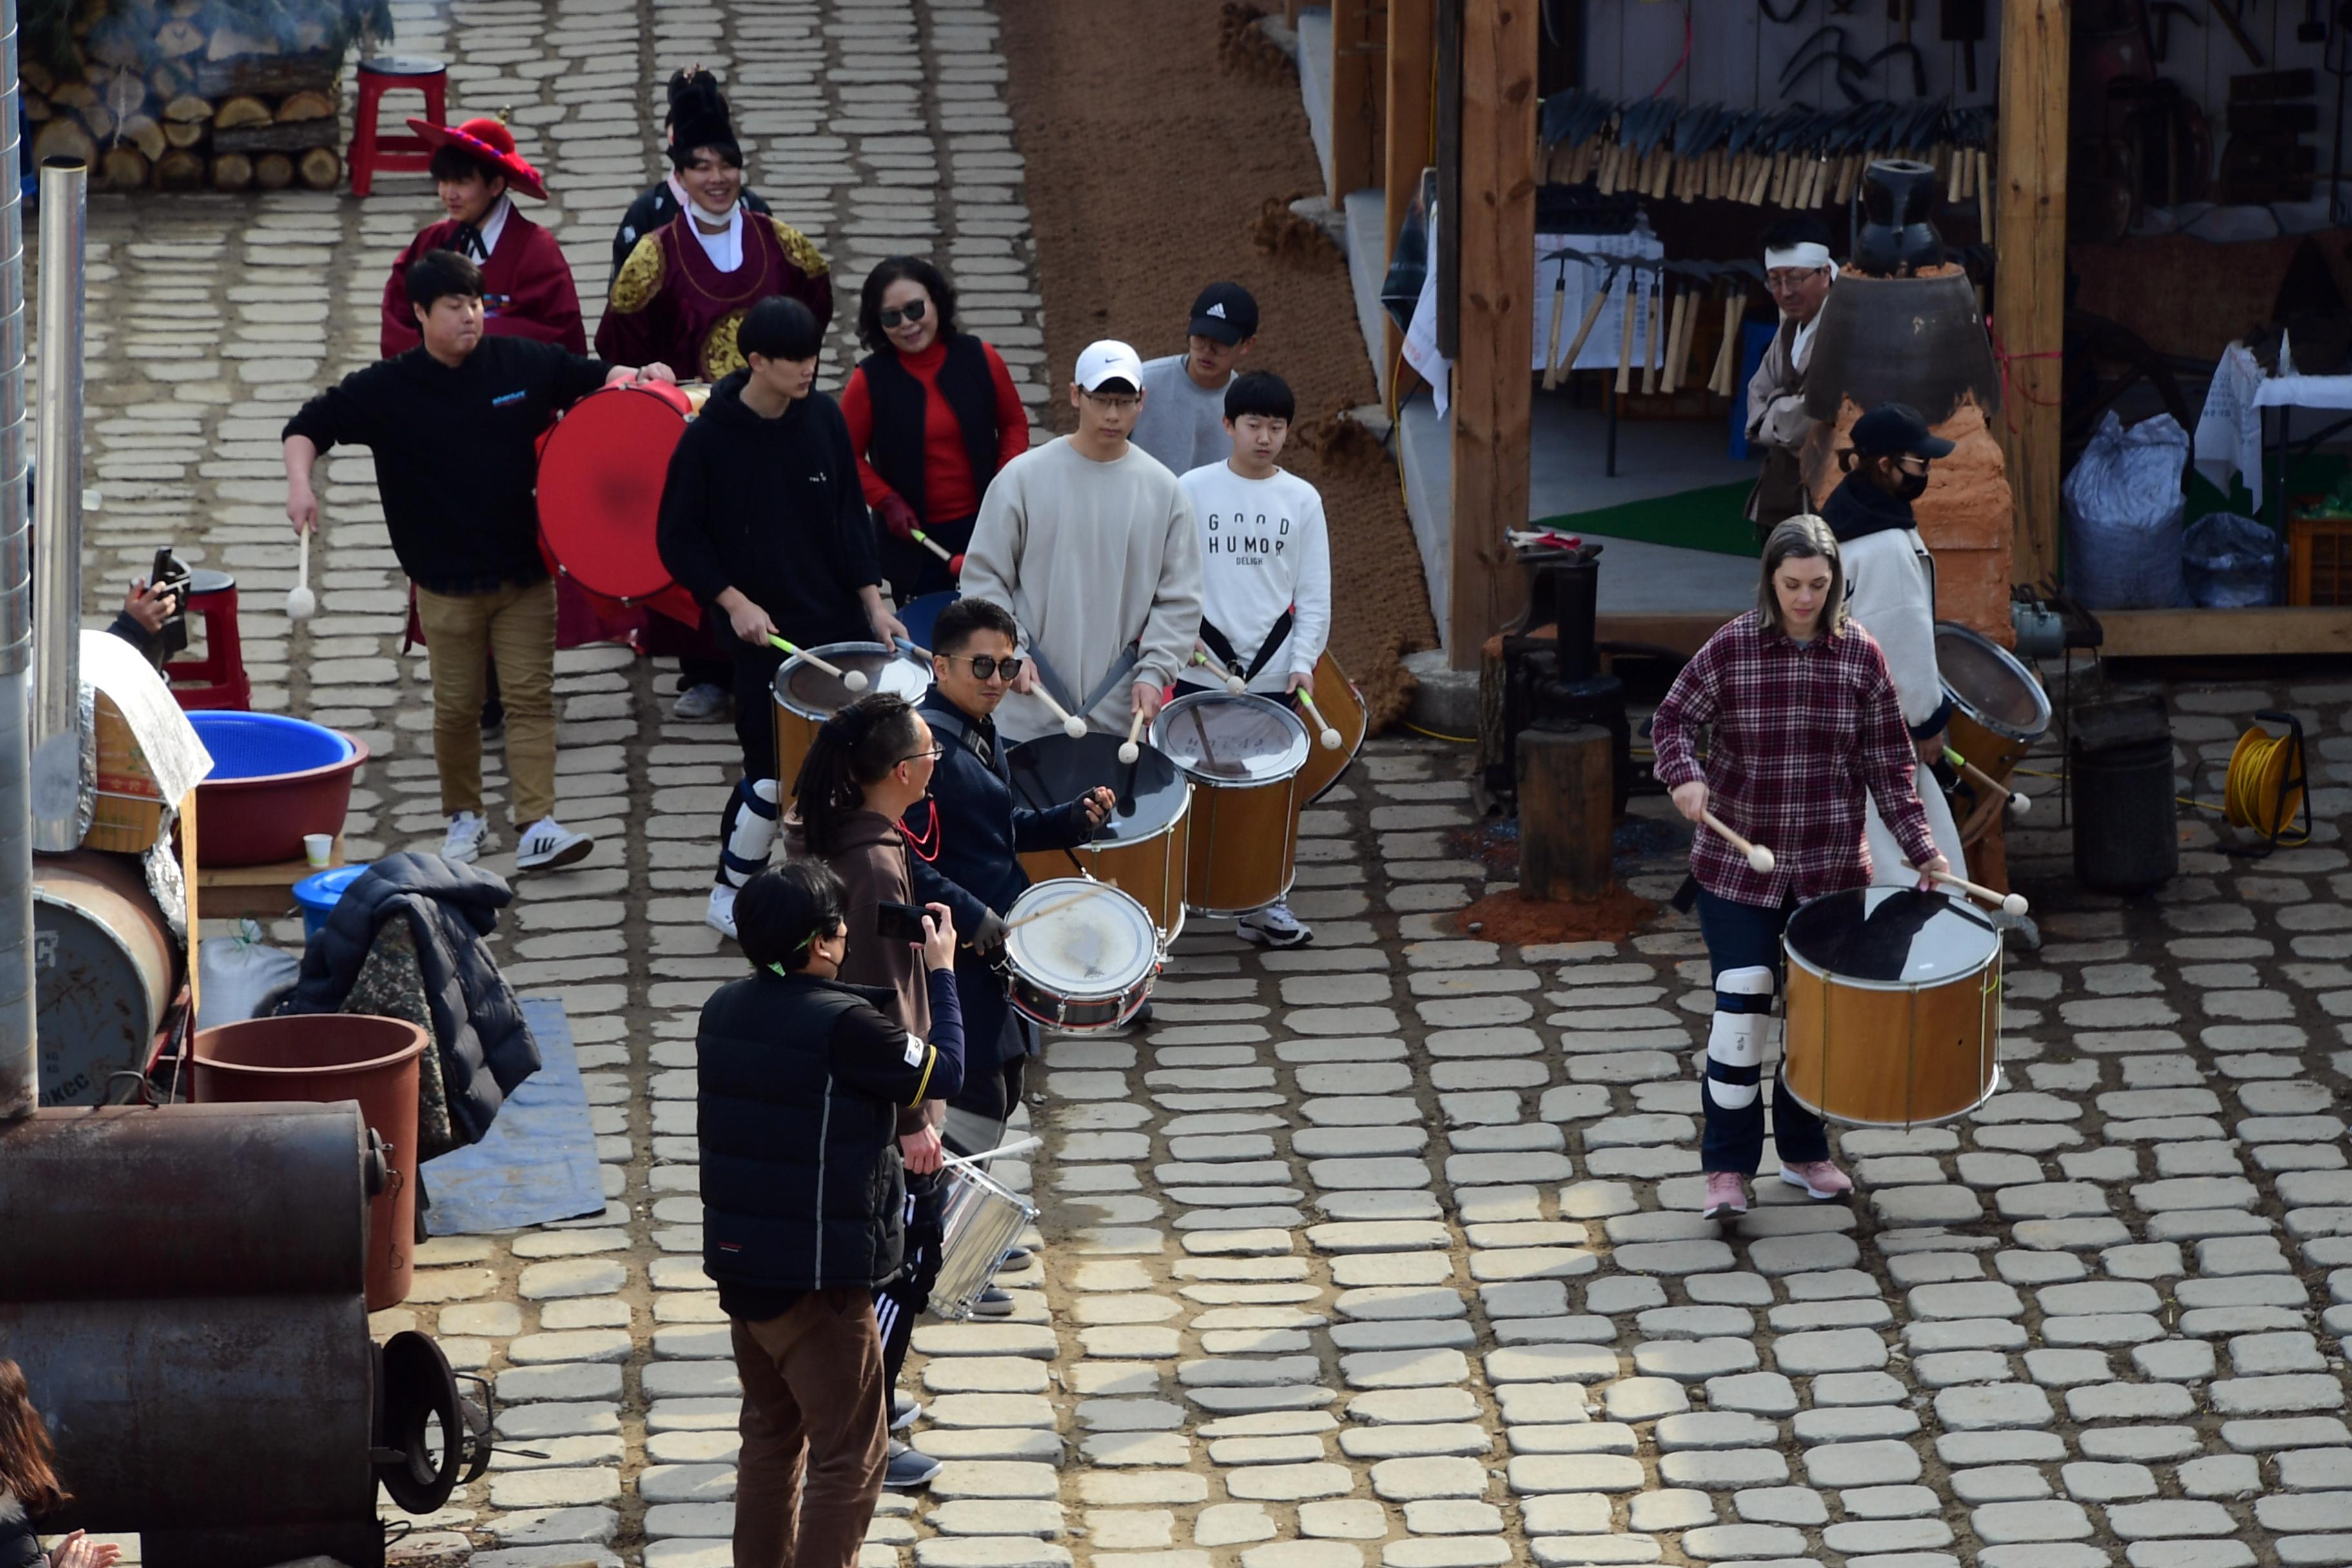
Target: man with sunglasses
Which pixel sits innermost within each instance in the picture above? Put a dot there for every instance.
(967, 839)
(1799, 272)
(1891, 593)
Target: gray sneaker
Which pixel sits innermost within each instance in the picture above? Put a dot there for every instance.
(909, 1469)
(700, 704)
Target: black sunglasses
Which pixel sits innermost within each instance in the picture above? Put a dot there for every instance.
(913, 312)
(985, 666)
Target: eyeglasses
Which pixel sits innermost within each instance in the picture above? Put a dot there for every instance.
(1910, 463)
(1786, 278)
(933, 755)
(1116, 402)
(912, 312)
(986, 667)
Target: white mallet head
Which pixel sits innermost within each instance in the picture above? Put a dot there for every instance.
(2018, 804)
(1128, 751)
(2013, 905)
(1760, 858)
(300, 604)
(1234, 684)
(1073, 726)
(1330, 739)
(854, 679)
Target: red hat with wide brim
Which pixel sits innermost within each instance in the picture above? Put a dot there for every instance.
(493, 144)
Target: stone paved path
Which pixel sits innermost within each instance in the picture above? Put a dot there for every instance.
(1378, 1251)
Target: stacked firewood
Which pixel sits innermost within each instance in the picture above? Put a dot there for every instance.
(180, 106)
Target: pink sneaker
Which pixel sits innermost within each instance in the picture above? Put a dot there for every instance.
(1819, 1178)
(1726, 1194)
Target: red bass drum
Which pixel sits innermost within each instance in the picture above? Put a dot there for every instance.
(601, 468)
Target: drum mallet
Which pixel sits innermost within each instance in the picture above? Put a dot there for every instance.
(1072, 725)
(955, 562)
(854, 679)
(2018, 802)
(1759, 857)
(1234, 683)
(1330, 737)
(918, 649)
(300, 602)
(1128, 751)
(2010, 903)
(1019, 1146)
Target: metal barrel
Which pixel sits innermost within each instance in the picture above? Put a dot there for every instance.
(104, 970)
(57, 562)
(18, 1092)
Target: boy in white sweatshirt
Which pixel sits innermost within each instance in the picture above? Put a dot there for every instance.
(1266, 579)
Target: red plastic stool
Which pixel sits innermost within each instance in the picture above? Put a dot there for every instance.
(401, 153)
(213, 596)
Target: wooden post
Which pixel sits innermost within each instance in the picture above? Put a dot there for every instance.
(2030, 275)
(1408, 147)
(1359, 46)
(1492, 387)
(1566, 813)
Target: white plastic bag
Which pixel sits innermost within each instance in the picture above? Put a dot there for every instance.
(242, 975)
(2123, 505)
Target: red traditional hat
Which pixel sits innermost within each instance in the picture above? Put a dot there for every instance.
(493, 144)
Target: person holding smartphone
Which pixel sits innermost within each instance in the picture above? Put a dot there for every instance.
(868, 764)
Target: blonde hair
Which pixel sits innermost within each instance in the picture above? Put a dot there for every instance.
(1803, 537)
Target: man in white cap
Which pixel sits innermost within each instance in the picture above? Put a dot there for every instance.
(1799, 272)
(1090, 543)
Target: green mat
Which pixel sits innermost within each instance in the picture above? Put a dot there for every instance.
(1711, 519)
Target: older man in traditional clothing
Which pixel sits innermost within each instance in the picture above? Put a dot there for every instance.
(1798, 271)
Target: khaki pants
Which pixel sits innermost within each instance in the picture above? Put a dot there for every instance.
(811, 1388)
(462, 633)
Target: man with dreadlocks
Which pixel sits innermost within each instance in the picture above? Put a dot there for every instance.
(865, 769)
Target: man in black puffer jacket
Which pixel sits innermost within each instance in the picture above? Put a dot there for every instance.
(800, 1079)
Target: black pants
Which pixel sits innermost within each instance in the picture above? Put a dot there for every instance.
(897, 1304)
(909, 563)
(1743, 936)
(695, 670)
(754, 675)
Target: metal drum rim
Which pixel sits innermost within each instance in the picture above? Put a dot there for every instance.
(1301, 743)
(800, 661)
(1148, 951)
(1184, 797)
(1798, 960)
(1960, 699)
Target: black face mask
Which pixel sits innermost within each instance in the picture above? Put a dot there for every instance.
(1911, 487)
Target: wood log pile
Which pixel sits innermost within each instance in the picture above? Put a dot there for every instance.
(169, 103)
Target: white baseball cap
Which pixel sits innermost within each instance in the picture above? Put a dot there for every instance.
(1109, 360)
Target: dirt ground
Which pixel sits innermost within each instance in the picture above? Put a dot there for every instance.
(1140, 196)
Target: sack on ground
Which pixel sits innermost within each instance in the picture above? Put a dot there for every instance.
(2122, 506)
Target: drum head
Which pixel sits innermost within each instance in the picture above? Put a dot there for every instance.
(1986, 681)
(600, 488)
(1053, 770)
(1221, 738)
(810, 692)
(1891, 936)
(1077, 938)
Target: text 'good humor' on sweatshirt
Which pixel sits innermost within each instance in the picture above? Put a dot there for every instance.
(1264, 550)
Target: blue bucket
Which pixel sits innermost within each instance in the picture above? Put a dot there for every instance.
(319, 894)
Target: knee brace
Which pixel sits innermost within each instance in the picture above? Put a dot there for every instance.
(749, 831)
(1734, 1046)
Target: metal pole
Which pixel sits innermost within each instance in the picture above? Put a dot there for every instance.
(57, 583)
(19, 1076)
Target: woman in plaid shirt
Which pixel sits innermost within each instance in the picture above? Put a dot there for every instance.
(1803, 720)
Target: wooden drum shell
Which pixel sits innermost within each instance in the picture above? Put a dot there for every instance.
(1342, 707)
(1151, 871)
(1883, 1055)
(1245, 849)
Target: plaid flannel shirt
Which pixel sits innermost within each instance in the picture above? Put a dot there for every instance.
(1800, 729)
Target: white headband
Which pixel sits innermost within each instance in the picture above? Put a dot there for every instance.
(1808, 253)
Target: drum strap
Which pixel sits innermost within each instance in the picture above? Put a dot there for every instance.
(1113, 678)
(1222, 647)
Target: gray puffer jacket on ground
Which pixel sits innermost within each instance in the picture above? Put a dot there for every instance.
(477, 1026)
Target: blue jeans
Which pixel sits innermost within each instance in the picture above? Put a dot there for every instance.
(1742, 936)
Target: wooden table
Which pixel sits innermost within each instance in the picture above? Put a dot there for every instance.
(263, 892)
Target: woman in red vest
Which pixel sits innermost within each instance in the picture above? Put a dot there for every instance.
(932, 414)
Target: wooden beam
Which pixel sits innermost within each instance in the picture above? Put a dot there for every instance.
(1492, 389)
(2223, 633)
(2030, 275)
(1359, 46)
(1683, 634)
(1408, 147)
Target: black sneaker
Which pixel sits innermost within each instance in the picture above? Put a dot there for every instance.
(909, 1469)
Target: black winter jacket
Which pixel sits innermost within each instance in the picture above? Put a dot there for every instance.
(486, 1048)
(772, 509)
(19, 1546)
(798, 1086)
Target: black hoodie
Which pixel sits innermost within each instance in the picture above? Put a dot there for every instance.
(1859, 507)
(772, 509)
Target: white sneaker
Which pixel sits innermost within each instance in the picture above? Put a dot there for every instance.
(548, 844)
(468, 836)
(700, 703)
(1273, 926)
(720, 914)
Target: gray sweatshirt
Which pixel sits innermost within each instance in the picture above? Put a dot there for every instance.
(1088, 556)
(1182, 423)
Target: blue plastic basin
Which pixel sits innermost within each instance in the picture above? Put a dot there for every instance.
(319, 895)
(266, 745)
(273, 780)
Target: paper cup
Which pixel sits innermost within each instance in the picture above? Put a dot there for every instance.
(319, 849)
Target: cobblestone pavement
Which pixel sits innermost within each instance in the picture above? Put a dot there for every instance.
(1379, 1251)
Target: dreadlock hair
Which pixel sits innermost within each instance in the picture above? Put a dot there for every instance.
(857, 746)
(27, 1460)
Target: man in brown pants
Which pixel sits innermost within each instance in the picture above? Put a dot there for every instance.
(799, 1081)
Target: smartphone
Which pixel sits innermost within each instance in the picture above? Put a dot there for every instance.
(899, 922)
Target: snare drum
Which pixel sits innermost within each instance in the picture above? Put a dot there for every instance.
(1999, 710)
(982, 1221)
(1080, 955)
(1244, 755)
(1893, 1016)
(1140, 845)
(1342, 707)
(806, 696)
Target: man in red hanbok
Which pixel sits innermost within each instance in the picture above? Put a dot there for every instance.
(529, 294)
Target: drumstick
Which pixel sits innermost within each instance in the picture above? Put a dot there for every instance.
(933, 546)
(1072, 725)
(854, 679)
(1080, 897)
(2018, 802)
(1234, 683)
(300, 602)
(918, 649)
(1330, 736)
(1759, 857)
(1128, 751)
(1019, 1146)
(2010, 903)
